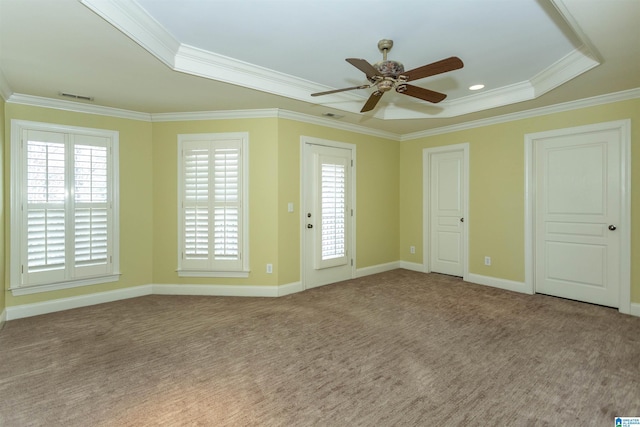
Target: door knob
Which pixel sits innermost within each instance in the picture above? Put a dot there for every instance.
(309, 225)
(612, 227)
(461, 219)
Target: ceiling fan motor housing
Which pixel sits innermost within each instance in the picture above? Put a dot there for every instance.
(389, 68)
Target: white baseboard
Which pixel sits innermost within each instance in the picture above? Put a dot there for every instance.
(290, 288)
(35, 309)
(217, 290)
(495, 282)
(413, 266)
(375, 269)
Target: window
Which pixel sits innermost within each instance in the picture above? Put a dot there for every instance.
(213, 211)
(64, 229)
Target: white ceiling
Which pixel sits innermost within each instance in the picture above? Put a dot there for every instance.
(169, 56)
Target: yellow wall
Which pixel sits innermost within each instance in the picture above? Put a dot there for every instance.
(274, 181)
(377, 202)
(388, 203)
(263, 198)
(136, 237)
(496, 205)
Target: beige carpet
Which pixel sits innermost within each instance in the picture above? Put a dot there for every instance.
(399, 348)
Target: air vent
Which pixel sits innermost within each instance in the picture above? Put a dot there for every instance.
(80, 97)
(332, 115)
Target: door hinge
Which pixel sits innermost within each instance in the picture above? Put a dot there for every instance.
(351, 163)
(351, 262)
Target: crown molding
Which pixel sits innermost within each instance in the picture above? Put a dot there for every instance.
(320, 121)
(76, 107)
(334, 124)
(135, 22)
(266, 113)
(572, 65)
(273, 113)
(542, 111)
(5, 89)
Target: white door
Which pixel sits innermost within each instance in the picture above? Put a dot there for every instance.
(577, 215)
(327, 214)
(447, 207)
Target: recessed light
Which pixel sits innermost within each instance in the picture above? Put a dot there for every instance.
(476, 87)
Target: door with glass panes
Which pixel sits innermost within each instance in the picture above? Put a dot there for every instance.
(327, 212)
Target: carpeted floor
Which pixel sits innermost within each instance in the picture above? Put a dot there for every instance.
(399, 348)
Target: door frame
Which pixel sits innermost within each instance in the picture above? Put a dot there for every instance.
(624, 128)
(426, 209)
(304, 142)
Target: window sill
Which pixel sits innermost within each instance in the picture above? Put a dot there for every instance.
(206, 273)
(35, 289)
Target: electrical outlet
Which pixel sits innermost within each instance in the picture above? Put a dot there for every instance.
(412, 249)
(487, 260)
(269, 268)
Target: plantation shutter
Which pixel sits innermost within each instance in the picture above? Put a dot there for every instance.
(44, 256)
(92, 213)
(196, 205)
(333, 205)
(66, 237)
(212, 205)
(226, 203)
(332, 199)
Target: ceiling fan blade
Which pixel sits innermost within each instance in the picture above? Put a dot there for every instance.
(434, 68)
(372, 101)
(365, 67)
(421, 93)
(340, 90)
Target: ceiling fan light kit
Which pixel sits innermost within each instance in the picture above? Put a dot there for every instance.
(387, 74)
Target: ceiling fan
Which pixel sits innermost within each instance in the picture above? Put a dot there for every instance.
(386, 75)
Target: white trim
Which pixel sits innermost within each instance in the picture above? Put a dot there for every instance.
(51, 306)
(36, 289)
(526, 114)
(265, 113)
(332, 123)
(306, 141)
(16, 200)
(305, 118)
(290, 288)
(216, 290)
(136, 23)
(624, 127)
(5, 89)
(379, 268)
(36, 309)
(495, 282)
(572, 65)
(426, 211)
(211, 267)
(413, 266)
(77, 107)
(212, 273)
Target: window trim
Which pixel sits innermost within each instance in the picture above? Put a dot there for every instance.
(17, 189)
(243, 271)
